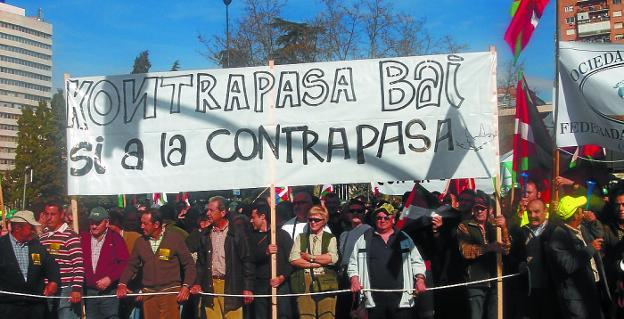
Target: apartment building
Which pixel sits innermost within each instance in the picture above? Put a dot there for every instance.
(25, 72)
(591, 20)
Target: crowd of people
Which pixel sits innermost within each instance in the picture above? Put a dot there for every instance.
(213, 259)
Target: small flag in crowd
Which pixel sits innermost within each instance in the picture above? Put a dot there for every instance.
(458, 185)
(587, 151)
(282, 194)
(416, 207)
(183, 197)
(525, 17)
(327, 188)
(121, 201)
(159, 199)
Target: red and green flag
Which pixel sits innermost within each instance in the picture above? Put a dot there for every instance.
(532, 144)
(525, 17)
(282, 194)
(326, 189)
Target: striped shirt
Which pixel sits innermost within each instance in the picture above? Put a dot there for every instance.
(64, 245)
(21, 254)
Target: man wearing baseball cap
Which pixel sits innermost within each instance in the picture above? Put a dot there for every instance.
(387, 258)
(576, 266)
(26, 264)
(105, 258)
(478, 246)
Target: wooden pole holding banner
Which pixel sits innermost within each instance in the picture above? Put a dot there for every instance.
(497, 212)
(554, 188)
(273, 256)
(272, 202)
(74, 201)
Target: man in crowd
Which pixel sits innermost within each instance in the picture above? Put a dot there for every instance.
(478, 247)
(260, 241)
(25, 267)
(224, 265)
(576, 266)
(529, 248)
(125, 223)
(614, 247)
(530, 192)
(64, 244)
(166, 264)
(353, 213)
(302, 202)
(106, 256)
(387, 259)
(331, 201)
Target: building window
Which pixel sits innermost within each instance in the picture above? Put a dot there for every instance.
(570, 32)
(568, 8)
(617, 13)
(25, 30)
(617, 1)
(570, 20)
(617, 25)
(25, 41)
(619, 36)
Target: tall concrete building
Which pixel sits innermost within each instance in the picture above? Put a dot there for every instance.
(25, 72)
(591, 20)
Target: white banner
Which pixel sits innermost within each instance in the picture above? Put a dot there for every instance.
(591, 95)
(338, 122)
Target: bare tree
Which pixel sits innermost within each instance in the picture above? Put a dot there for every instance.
(253, 41)
(507, 79)
(339, 41)
(341, 31)
(408, 37)
(377, 20)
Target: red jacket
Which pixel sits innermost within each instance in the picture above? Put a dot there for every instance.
(112, 261)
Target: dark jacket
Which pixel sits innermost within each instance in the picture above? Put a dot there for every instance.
(111, 263)
(571, 268)
(41, 266)
(259, 241)
(239, 267)
(532, 251)
(166, 268)
(479, 264)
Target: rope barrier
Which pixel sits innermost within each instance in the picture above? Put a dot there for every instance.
(589, 159)
(463, 284)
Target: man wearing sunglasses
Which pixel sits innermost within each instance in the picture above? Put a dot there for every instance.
(387, 258)
(478, 247)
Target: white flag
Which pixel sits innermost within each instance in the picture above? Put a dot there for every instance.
(591, 95)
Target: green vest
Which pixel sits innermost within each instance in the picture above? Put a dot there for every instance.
(297, 278)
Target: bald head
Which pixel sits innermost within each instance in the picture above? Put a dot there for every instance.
(537, 213)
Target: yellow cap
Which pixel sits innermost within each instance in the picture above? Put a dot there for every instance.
(386, 208)
(568, 206)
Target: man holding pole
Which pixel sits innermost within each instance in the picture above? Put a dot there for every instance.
(262, 250)
(478, 247)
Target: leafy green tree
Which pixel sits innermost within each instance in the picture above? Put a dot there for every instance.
(297, 42)
(142, 63)
(38, 149)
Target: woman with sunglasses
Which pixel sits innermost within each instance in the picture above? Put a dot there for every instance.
(314, 255)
